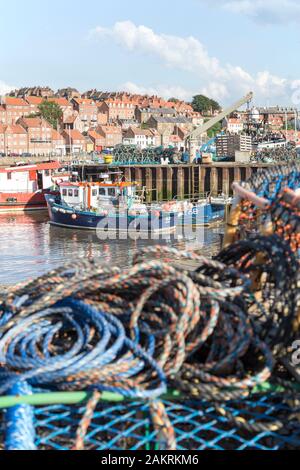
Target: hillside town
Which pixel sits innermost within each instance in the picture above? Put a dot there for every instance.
(91, 122)
(94, 121)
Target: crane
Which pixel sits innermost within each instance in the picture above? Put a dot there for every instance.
(193, 136)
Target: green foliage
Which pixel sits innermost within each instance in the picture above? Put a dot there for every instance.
(174, 100)
(32, 115)
(216, 129)
(50, 111)
(203, 104)
(290, 126)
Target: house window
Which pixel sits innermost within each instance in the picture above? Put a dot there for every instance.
(76, 192)
(111, 191)
(70, 192)
(101, 191)
(64, 192)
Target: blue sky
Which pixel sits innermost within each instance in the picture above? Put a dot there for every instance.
(223, 48)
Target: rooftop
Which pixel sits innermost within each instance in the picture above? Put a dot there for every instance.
(12, 101)
(34, 122)
(172, 120)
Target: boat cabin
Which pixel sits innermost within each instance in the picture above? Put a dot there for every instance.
(27, 178)
(91, 195)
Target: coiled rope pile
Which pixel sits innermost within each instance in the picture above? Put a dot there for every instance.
(269, 202)
(215, 333)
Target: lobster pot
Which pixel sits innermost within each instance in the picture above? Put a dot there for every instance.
(256, 423)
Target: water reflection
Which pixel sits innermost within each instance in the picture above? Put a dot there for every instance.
(30, 246)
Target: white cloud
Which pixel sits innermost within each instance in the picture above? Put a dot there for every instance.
(263, 11)
(160, 90)
(223, 82)
(5, 88)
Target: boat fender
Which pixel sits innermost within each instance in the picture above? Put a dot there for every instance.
(74, 216)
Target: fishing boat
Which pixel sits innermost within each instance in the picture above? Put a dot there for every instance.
(23, 187)
(205, 211)
(108, 206)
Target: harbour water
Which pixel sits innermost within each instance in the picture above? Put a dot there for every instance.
(30, 246)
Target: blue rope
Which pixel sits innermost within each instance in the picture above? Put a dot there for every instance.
(99, 344)
(20, 432)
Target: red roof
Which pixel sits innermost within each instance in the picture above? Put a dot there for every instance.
(12, 129)
(35, 100)
(9, 100)
(74, 134)
(15, 129)
(95, 135)
(110, 129)
(35, 122)
(60, 101)
(56, 135)
(83, 101)
(37, 166)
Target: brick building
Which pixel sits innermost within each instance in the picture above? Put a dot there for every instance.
(34, 102)
(39, 135)
(58, 143)
(74, 140)
(68, 93)
(166, 125)
(117, 109)
(141, 137)
(13, 139)
(73, 121)
(144, 114)
(98, 140)
(2, 114)
(111, 134)
(15, 108)
(87, 110)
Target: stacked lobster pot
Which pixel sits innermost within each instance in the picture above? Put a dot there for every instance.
(155, 356)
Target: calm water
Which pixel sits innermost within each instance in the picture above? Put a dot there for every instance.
(30, 246)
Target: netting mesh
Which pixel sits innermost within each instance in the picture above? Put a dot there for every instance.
(198, 425)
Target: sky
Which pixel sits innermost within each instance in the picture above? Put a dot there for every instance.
(221, 48)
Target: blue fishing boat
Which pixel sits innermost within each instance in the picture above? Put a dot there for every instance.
(106, 206)
(206, 213)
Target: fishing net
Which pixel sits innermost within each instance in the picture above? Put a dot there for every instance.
(269, 202)
(212, 337)
(257, 423)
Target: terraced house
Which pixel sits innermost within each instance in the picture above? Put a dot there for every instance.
(13, 139)
(87, 110)
(14, 109)
(118, 109)
(39, 135)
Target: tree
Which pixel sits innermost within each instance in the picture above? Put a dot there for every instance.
(203, 104)
(50, 111)
(174, 100)
(216, 129)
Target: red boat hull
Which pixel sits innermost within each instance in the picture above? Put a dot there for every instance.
(11, 202)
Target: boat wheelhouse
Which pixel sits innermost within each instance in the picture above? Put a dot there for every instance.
(85, 195)
(22, 187)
